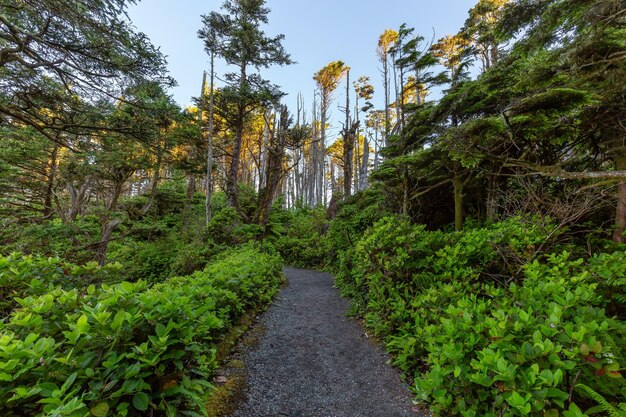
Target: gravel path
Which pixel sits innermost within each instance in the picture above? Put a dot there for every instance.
(314, 361)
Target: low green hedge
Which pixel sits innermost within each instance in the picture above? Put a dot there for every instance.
(485, 324)
(126, 349)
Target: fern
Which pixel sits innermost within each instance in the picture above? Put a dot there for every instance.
(607, 407)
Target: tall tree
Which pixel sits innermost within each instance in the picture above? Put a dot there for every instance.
(237, 37)
(327, 80)
(365, 91)
(53, 51)
(481, 28)
(385, 42)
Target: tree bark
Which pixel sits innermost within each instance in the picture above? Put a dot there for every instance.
(231, 188)
(348, 144)
(405, 188)
(364, 167)
(457, 182)
(491, 197)
(77, 198)
(386, 87)
(322, 144)
(620, 212)
(274, 170)
(52, 169)
(107, 230)
(209, 155)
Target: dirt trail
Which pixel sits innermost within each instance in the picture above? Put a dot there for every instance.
(314, 361)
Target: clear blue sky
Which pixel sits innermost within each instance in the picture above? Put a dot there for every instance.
(317, 32)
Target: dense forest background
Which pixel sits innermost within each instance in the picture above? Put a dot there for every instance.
(477, 220)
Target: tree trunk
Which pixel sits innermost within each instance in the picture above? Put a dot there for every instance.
(107, 230)
(153, 188)
(274, 170)
(491, 197)
(386, 87)
(457, 182)
(231, 188)
(77, 198)
(405, 188)
(619, 235)
(363, 174)
(348, 144)
(209, 155)
(322, 144)
(52, 169)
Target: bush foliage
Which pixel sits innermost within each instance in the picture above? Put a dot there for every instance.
(485, 322)
(128, 349)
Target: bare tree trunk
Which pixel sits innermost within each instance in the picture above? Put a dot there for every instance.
(321, 195)
(364, 163)
(52, 170)
(386, 88)
(376, 147)
(395, 87)
(153, 188)
(108, 224)
(209, 155)
(348, 144)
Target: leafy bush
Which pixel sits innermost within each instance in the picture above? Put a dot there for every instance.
(23, 275)
(128, 350)
(303, 243)
(484, 322)
(149, 260)
(228, 228)
(69, 241)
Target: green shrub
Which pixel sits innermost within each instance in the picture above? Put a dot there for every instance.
(24, 275)
(149, 261)
(54, 238)
(128, 350)
(484, 322)
(228, 228)
(303, 243)
(517, 351)
(356, 215)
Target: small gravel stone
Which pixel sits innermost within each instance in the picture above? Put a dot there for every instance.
(313, 361)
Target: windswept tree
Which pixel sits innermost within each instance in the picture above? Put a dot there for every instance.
(481, 28)
(54, 51)
(365, 91)
(385, 42)
(453, 51)
(236, 36)
(327, 80)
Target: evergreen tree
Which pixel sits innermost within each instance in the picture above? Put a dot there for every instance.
(237, 37)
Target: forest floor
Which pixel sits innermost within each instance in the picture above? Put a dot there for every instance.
(312, 360)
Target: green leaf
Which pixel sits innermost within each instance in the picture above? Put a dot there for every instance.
(516, 400)
(161, 330)
(100, 409)
(141, 401)
(574, 411)
(83, 324)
